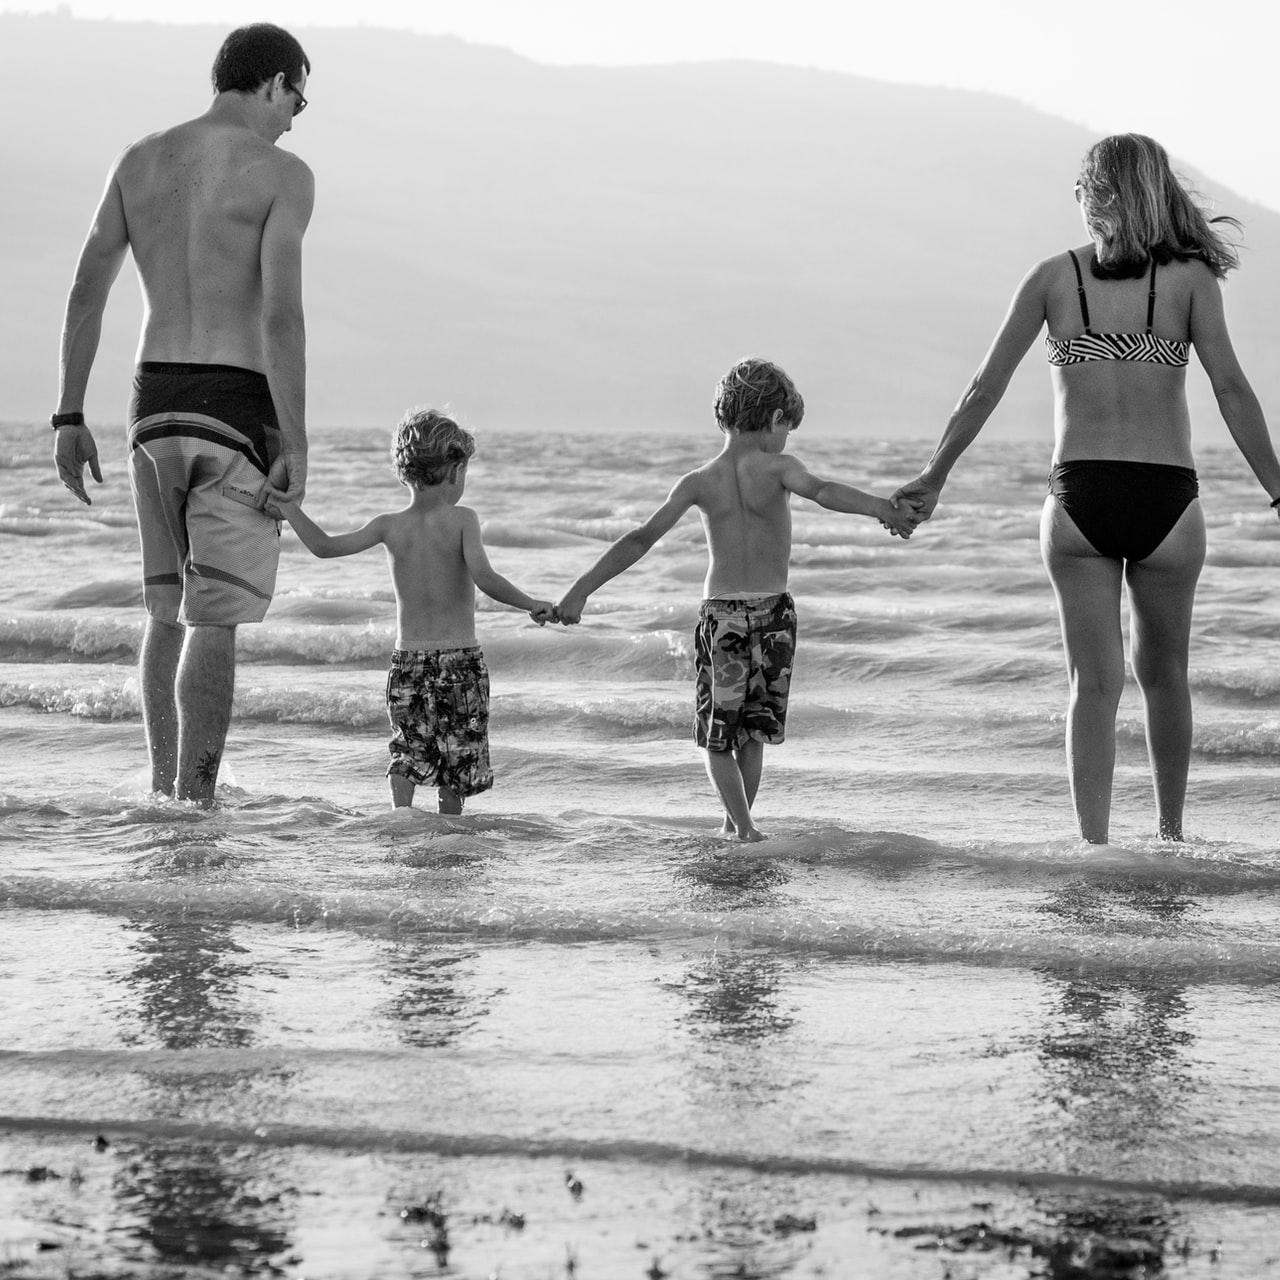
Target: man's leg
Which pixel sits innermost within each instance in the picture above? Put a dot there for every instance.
(206, 681)
(157, 672)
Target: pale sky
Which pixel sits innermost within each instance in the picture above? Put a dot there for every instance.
(1200, 78)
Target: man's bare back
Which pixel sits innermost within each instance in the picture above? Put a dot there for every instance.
(196, 201)
(214, 214)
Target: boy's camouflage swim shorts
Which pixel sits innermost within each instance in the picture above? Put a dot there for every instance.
(743, 653)
(438, 702)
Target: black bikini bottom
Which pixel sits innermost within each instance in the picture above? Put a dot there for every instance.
(1124, 509)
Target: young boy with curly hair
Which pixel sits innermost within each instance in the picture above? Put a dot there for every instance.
(745, 639)
(438, 686)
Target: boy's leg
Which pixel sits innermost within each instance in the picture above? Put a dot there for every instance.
(726, 777)
(751, 765)
(750, 761)
(409, 745)
(461, 729)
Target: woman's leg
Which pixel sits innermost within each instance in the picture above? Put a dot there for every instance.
(1088, 589)
(1162, 591)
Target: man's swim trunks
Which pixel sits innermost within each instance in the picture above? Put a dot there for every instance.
(201, 439)
(438, 702)
(743, 655)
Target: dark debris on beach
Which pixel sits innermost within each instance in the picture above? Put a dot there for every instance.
(1072, 1251)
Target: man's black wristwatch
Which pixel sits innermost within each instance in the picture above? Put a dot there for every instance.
(66, 420)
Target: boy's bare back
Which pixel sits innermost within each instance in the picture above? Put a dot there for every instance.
(435, 589)
(746, 516)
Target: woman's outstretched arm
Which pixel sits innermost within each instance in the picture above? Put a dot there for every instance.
(1024, 320)
(1236, 400)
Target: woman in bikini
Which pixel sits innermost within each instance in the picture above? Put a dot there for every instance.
(1122, 313)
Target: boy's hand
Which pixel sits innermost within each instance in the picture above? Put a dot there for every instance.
(277, 508)
(569, 610)
(543, 612)
(901, 521)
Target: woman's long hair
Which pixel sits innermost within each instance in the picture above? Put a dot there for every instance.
(1136, 210)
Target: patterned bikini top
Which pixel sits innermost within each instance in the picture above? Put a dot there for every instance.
(1145, 347)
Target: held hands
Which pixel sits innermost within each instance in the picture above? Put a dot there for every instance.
(910, 505)
(569, 610)
(920, 494)
(900, 520)
(72, 448)
(286, 483)
(277, 508)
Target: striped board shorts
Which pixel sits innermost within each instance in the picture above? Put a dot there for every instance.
(201, 440)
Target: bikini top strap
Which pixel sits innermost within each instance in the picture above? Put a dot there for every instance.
(1084, 302)
(1151, 296)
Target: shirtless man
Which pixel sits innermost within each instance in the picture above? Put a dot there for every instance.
(214, 213)
(745, 639)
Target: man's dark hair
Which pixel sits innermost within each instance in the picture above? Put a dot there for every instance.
(252, 55)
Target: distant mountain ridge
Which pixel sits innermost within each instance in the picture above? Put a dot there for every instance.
(567, 248)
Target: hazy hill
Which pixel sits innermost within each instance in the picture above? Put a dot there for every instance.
(587, 247)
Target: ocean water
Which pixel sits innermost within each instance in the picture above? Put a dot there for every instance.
(923, 1031)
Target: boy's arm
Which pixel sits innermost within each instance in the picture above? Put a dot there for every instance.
(629, 548)
(327, 545)
(492, 583)
(835, 496)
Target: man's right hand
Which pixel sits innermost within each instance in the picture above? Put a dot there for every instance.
(72, 448)
(286, 481)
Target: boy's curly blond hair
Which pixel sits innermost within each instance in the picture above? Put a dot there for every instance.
(427, 446)
(748, 395)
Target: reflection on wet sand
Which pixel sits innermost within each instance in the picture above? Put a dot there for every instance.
(193, 1202)
(1115, 1056)
(739, 1067)
(435, 1000)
